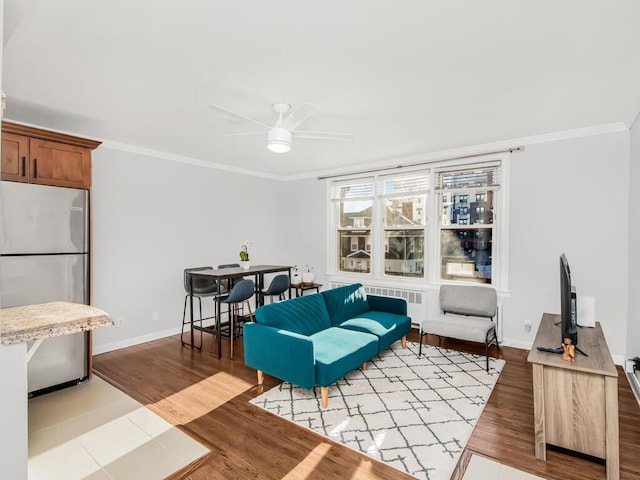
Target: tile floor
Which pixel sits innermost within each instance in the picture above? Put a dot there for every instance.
(481, 468)
(94, 431)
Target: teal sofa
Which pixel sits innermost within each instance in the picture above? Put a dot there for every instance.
(314, 340)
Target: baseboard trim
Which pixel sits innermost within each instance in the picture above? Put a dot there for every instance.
(130, 342)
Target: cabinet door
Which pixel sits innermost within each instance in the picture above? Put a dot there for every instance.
(15, 158)
(59, 164)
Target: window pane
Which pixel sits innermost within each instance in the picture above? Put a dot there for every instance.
(467, 208)
(466, 254)
(355, 214)
(404, 253)
(404, 211)
(354, 254)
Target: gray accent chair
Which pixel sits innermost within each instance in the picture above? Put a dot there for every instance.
(472, 310)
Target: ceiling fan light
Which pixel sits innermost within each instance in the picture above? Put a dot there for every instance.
(279, 140)
(278, 146)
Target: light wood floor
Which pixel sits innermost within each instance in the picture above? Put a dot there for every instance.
(208, 399)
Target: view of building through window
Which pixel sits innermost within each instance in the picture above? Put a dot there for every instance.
(466, 252)
(355, 206)
(466, 199)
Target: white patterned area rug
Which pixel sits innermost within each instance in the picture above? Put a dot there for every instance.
(415, 414)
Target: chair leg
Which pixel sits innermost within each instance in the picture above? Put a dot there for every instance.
(231, 332)
(420, 347)
(200, 303)
(486, 352)
(404, 341)
(184, 314)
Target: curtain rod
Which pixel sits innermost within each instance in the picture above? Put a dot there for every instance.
(407, 165)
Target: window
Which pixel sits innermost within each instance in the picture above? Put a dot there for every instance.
(391, 226)
(354, 204)
(403, 199)
(466, 198)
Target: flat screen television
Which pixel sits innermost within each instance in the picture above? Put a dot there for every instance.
(569, 311)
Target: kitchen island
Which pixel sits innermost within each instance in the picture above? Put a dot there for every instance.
(17, 326)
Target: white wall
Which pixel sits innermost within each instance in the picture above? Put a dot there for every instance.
(304, 213)
(152, 218)
(570, 196)
(633, 332)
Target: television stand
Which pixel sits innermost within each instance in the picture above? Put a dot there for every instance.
(575, 404)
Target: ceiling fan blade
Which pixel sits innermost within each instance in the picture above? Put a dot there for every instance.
(295, 118)
(322, 135)
(240, 134)
(239, 115)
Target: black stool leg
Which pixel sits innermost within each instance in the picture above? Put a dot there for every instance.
(184, 314)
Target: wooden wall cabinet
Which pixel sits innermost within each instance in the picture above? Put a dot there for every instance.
(38, 156)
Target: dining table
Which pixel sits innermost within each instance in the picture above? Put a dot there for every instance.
(220, 274)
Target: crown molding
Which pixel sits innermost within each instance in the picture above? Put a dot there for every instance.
(390, 162)
(470, 150)
(149, 152)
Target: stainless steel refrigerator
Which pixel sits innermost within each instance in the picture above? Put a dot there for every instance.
(44, 257)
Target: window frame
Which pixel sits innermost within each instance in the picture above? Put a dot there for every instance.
(431, 245)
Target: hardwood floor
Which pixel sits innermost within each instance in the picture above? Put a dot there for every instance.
(208, 399)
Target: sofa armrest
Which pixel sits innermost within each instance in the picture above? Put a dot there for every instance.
(285, 355)
(387, 304)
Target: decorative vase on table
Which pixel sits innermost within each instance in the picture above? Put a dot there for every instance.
(308, 278)
(244, 255)
(296, 278)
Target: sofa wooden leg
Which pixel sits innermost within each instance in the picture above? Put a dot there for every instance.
(260, 377)
(324, 392)
(404, 342)
(364, 366)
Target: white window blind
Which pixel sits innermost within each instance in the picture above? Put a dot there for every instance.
(352, 190)
(404, 184)
(487, 176)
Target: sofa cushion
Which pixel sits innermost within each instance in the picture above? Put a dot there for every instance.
(304, 315)
(388, 327)
(345, 302)
(338, 351)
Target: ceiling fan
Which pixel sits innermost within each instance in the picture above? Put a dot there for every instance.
(280, 134)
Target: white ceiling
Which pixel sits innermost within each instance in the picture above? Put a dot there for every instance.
(405, 77)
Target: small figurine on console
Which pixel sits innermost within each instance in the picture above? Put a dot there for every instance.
(569, 354)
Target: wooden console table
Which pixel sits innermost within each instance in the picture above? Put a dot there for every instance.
(575, 403)
(300, 288)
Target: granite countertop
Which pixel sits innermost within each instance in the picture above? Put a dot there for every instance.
(32, 322)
